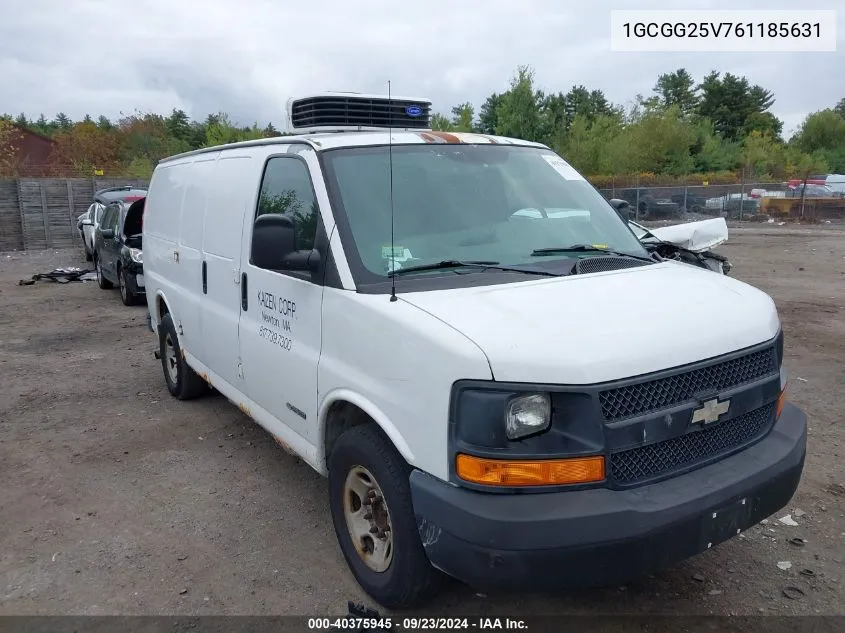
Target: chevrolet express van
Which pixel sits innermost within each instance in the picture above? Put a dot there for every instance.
(396, 306)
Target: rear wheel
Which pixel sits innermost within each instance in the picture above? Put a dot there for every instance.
(373, 516)
(104, 283)
(182, 381)
(128, 297)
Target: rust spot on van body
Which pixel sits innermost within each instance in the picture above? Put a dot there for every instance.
(244, 409)
(447, 137)
(285, 446)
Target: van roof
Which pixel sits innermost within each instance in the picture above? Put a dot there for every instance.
(332, 140)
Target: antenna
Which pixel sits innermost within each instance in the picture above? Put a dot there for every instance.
(390, 162)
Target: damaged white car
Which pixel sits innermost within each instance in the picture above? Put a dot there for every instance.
(691, 242)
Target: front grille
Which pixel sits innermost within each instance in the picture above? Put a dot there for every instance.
(644, 397)
(603, 264)
(663, 458)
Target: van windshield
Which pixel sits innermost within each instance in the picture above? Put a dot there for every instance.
(492, 203)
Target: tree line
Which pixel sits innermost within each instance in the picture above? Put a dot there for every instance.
(719, 129)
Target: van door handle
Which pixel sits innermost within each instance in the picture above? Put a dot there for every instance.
(244, 301)
(204, 277)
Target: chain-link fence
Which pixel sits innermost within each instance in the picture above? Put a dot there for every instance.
(744, 201)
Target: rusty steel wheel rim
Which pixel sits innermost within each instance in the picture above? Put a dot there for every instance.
(170, 359)
(368, 519)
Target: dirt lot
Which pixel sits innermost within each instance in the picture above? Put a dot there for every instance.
(117, 499)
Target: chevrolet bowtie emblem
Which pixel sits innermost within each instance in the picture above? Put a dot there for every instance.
(710, 411)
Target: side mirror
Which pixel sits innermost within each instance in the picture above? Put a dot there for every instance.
(108, 234)
(274, 245)
(623, 208)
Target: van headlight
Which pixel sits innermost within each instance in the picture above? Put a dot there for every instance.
(135, 254)
(527, 415)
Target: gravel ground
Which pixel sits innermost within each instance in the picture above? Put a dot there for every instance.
(117, 499)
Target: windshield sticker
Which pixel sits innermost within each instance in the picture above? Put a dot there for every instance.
(399, 253)
(393, 258)
(561, 167)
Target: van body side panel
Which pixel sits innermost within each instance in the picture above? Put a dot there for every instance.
(403, 362)
(229, 195)
(162, 216)
(191, 225)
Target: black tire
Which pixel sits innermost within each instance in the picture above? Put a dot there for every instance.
(187, 384)
(88, 256)
(102, 282)
(410, 579)
(128, 297)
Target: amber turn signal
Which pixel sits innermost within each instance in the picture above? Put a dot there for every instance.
(781, 401)
(547, 472)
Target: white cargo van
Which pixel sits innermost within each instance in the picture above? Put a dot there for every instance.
(397, 307)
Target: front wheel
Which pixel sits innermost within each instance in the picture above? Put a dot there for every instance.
(182, 381)
(373, 516)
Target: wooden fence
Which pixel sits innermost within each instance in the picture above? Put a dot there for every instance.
(39, 213)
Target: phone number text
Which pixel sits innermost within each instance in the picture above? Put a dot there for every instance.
(273, 337)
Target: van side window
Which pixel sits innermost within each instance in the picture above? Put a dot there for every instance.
(286, 188)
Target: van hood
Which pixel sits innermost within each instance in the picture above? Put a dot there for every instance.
(585, 329)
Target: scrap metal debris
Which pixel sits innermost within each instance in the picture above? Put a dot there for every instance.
(793, 593)
(784, 565)
(62, 276)
(788, 520)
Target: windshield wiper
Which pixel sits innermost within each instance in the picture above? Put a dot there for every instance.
(484, 265)
(554, 250)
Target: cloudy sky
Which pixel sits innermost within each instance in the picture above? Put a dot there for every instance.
(246, 58)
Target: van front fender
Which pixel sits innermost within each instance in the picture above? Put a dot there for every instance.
(367, 406)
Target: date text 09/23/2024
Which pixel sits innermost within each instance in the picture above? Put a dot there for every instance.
(352, 623)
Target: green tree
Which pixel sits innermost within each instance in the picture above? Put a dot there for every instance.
(678, 88)
(710, 152)
(823, 134)
(730, 101)
(441, 123)
(840, 107)
(179, 125)
(758, 154)
(462, 117)
(660, 142)
(62, 121)
(594, 147)
(519, 110)
(488, 116)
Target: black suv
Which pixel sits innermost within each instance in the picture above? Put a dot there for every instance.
(117, 249)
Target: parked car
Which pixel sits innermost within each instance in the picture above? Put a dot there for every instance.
(691, 202)
(468, 382)
(85, 226)
(649, 206)
(88, 221)
(118, 257)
